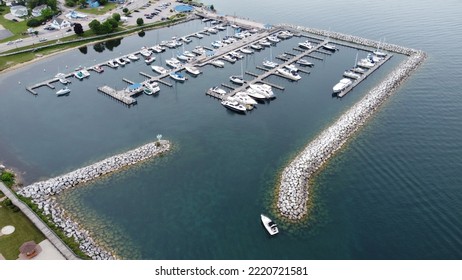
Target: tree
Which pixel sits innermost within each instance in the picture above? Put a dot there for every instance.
(139, 21)
(102, 2)
(78, 29)
(212, 8)
(113, 22)
(141, 33)
(125, 10)
(106, 27)
(47, 13)
(82, 3)
(34, 22)
(116, 16)
(69, 3)
(95, 26)
(83, 49)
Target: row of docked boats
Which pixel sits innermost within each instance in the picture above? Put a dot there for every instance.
(360, 68)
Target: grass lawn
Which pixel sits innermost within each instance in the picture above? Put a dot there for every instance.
(15, 27)
(25, 231)
(100, 10)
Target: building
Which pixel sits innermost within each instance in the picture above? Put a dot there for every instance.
(58, 23)
(37, 11)
(19, 11)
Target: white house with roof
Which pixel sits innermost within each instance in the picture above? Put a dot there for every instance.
(59, 23)
(19, 11)
(37, 11)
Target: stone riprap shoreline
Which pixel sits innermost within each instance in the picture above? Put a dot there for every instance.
(42, 193)
(293, 186)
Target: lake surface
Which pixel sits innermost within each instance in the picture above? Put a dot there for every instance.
(394, 192)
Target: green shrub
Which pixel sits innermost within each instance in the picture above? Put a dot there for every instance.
(7, 178)
(34, 22)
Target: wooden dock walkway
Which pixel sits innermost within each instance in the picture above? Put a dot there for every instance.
(120, 95)
(49, 234)
(364, 76)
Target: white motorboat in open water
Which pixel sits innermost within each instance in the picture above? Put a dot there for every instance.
(63, 91)
(270, 226)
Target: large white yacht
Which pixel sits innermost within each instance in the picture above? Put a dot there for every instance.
(266, 90)
(342, 85)
(234, 105)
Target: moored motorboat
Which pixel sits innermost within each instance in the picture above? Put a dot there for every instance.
(269, 225)
(145, 52)
(270, 64)
(358, 69)
(237, 80)
(291, 67)
(263, 89)
(256, 46)
(98, 69)
(365, 63)
(305, 45)
(290, 74)
(159, 69)
(173, 62)
(246, 51)
(150, 59)
(264, 42)
(342, 85)
(229, 58)
(111, 63)
(63, 91)
(177, 76)
(151, 88)
(217, 63)
(305, 62)
(245, 99)
(351, 74)
(120, 61)
(273, 39)
(329, 47)
(192, 70)
(234, 105)
(133, 57)
(254, 94)
(218, 90)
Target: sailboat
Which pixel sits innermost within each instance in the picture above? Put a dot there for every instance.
(378, 52)
(238, 79)
(270, 63)
(356, 68)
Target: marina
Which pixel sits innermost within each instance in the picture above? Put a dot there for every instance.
(129, 99)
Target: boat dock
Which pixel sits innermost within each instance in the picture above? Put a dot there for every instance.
(364, 76)
(123, 96)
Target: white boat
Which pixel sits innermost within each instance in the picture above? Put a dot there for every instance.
(264, 42)
(358, 70)
(62, 78)
(173, 62)
(329, 47)
(133, 57)
(198, 35)
(256, 46)
(378, 52)
(151, 88)
(216, 44)
(198, 50)
(291, 67)
(263, 89)
(306, 45)
(145, 52)
(236, 55)
(246, 51)
(186, 40)
(98, 69)
(126, 60)
(212, 30)
(273, 39)
(112, 64)
(150, 59)
(351, 74)
(189, 54)
(217, 63)
(120, 61)
(234, 105)
(220, 27)
(218, 90)
(341, 85)
(177, 76)
(285, 34)
(234, 26)
(192, 70)
(254, 94)
(374, 58)
(63, 91)
(237, 80)
(229, 58)
(270, 64)
(159, 69)
(157, 48)
(269, 225)
(183, 57)
(365, 63)
(293, 75)
(244, 99)
(305, 62)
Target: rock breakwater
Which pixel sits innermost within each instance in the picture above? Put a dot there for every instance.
(293, 186)
(42, 193)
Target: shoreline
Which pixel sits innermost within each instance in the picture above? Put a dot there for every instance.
(293, 187)
(43, 193)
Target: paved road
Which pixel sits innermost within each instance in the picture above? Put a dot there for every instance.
(58, 34)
